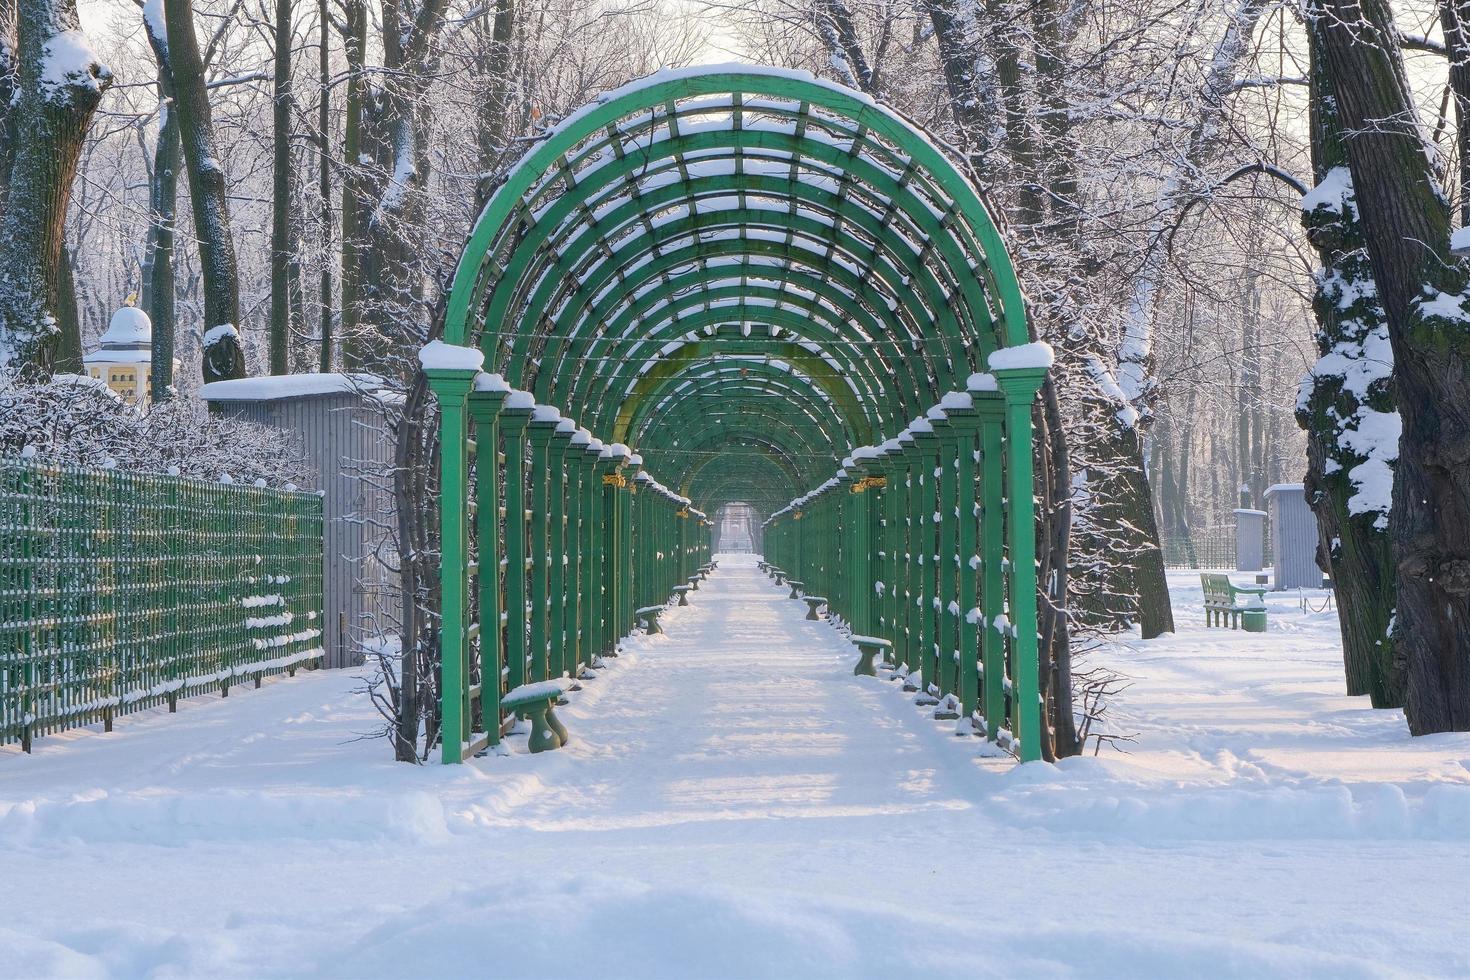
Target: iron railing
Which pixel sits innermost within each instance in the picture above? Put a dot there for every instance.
(122, 591)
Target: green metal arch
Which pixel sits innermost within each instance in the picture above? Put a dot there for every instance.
(868, 117)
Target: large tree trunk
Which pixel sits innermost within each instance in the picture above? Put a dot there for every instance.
(9, 83)
(1345, 401)
(60, 84)
(393, 281)
(224, 352)
(493, 122)
(159, 290)
(354, 194)
(1406, 220)
(1454, 20)
(281, 250)
(69, 344)
(324, 176)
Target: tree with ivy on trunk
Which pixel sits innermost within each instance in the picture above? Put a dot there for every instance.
(1406, 225)
(58, 84)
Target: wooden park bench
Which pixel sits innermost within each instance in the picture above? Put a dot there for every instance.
(1220, 607)
(682, 591)
(868, 648)
(537, 703)
(813, 603)
(648, 619)
(796, 588)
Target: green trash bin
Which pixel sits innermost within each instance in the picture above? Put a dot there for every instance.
(1253, 620)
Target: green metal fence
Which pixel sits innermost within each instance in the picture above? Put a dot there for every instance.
(122, 591)
(1211, 546)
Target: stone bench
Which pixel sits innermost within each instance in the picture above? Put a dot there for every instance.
(796, 587)
(537, 703)
(694, 582)
(648, 619)
(682, 591)
(813, 603)
(868, 648)
(778, 575)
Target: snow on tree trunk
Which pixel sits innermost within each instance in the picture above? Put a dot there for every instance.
(1346, 405)
(9, 79)
(159, 290)
(224, 352)
(59, 84)
(281, 250)
(1406, 223)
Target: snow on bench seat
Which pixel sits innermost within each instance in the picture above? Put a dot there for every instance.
(539, 691)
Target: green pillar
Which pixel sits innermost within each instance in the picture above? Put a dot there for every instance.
(990, 412)
(539, 435)
(1019, 386)
(451, 386)
(946, 572)
(558, 653)
(926, 446)
(514, 418)
(485, 402)
(965, 423)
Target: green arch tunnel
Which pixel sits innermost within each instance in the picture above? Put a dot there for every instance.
(736, 285)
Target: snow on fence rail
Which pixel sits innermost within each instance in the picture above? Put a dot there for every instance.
(121, 591)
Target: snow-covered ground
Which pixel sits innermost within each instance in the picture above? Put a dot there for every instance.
(735, 803)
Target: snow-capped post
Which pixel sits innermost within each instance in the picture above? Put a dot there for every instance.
(515, 416)
(607, 589)
(223, 348)
(1019, 372)
(559, 516)
(544, 419)
(58, 84)
(990, 410)
(926, 513)
(947, 634)
(862, 505)
(964, 421)
(485, 401)
(451, 372)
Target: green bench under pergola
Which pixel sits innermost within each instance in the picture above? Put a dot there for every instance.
(869, 647)
(537, 704)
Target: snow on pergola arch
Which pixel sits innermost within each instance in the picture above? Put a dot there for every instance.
(632, 266)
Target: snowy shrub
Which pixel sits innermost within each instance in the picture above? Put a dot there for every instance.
(73, 419)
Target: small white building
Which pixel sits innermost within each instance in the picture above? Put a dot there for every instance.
(124, 359)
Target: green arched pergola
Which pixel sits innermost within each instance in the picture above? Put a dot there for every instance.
(744, 280)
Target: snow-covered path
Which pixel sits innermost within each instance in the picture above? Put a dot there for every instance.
(735, 803)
